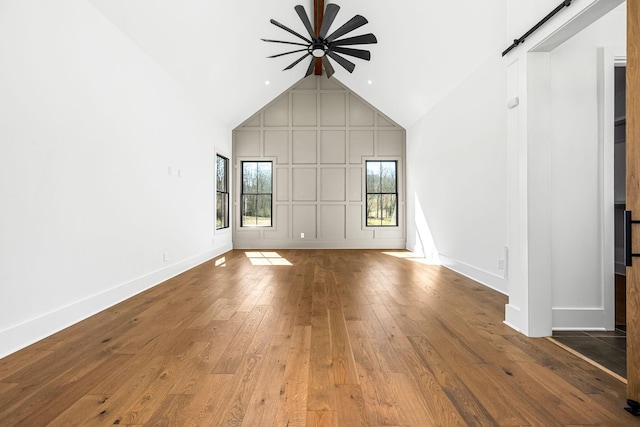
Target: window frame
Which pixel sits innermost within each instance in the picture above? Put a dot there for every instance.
(396, 193)
(222, 194)
(243, 193)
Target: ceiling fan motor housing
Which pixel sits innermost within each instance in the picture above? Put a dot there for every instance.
(318, 49)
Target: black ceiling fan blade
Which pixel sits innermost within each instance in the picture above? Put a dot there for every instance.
(346, 64)
(352, 24)
(312, 66)
(287, 53)
(327, 66)
(363, 39)
(358, 53)
(329, 16)
(302, 13)
(282, 41)
(297, 61)
(284, 27)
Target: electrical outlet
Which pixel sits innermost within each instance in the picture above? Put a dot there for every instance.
(302, 235)
(165, 256)
(500, 264)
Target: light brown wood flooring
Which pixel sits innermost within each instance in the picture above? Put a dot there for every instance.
(321, 338)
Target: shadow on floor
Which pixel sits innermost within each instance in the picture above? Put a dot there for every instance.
(608, 348)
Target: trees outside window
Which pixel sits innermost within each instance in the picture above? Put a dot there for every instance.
(222, 192)
(382, 193)
(257, 194)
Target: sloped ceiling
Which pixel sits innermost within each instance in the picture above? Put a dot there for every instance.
(213, 48)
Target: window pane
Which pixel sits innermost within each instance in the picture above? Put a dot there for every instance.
(222, 210)
(264, 177)
(388, 177)
(263, 217)
(249, 209)
(221, 173)
(373, 177)
(249, 177)
(373, 214)
(388, 208)
(219, 212)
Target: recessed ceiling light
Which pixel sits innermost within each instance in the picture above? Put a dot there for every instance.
(370, 82)
(267, 82)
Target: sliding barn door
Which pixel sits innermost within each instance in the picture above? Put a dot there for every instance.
(633, 199)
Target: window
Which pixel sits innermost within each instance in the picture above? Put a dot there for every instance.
(256, 197)
(222, 192)
(382, 193)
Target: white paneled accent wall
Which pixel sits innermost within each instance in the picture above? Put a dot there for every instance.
(319, 135)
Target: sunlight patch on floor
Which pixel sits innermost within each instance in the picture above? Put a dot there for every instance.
(411, 256)
(266, 258)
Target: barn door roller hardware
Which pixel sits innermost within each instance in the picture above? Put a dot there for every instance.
(516, 42)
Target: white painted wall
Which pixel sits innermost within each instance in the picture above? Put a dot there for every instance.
(89, 127)
(576, 176)
(457, 177)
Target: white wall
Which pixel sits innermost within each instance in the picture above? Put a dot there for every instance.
(576, 176)
(89, 127)
(457, 177)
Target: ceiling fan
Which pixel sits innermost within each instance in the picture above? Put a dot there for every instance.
(321, 46)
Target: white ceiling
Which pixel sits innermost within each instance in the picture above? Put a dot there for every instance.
(213, 48)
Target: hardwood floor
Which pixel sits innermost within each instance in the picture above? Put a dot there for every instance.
(348, 338)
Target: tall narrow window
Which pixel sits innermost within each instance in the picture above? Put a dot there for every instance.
(257, 189)
(222, 192)
(382, 193)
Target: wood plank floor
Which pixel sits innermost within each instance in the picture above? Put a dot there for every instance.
(313, 338)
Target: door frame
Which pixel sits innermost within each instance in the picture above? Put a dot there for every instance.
(610, 58)
(530, 293)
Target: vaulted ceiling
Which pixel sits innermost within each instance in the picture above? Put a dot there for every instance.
(213, 48)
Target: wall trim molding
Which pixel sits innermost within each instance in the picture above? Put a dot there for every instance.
(490, 280)
(31, 331)
(382, 244)
(513, 316)
(318, 136)
(579, 319)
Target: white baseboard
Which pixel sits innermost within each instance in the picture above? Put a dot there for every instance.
(513, 317)
(24, 334)
(582, 319)
(491, 280)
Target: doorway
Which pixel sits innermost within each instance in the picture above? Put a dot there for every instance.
(608, 348)
(620, 172)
